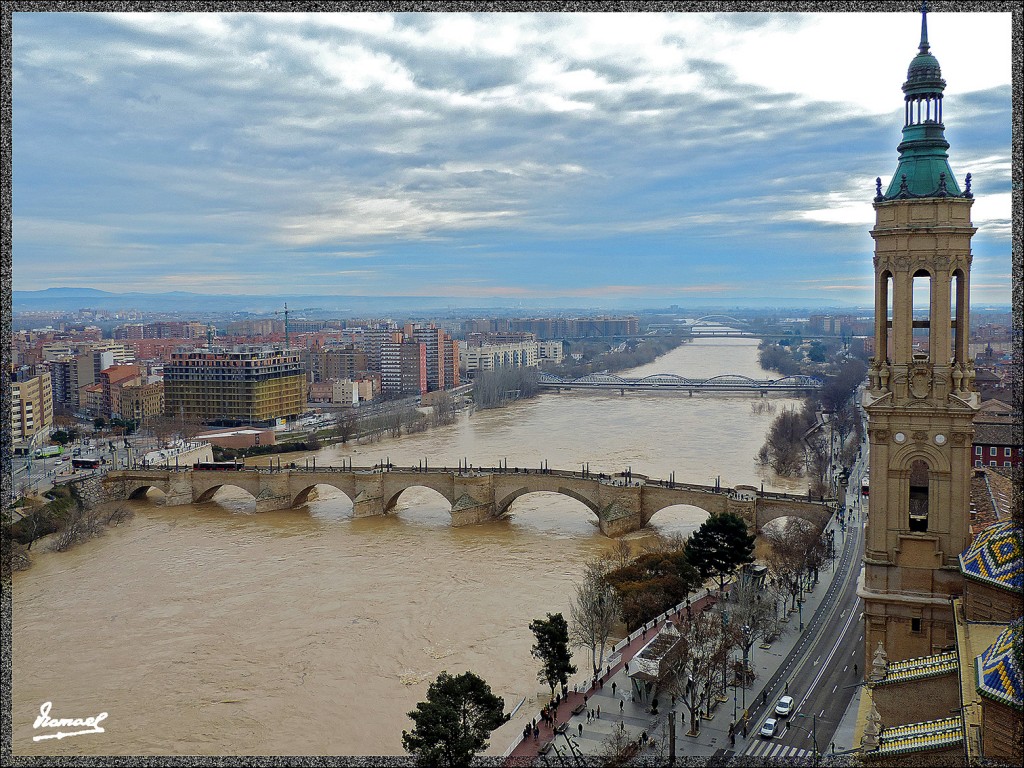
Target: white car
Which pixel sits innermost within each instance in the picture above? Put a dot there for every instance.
(785, 706)
(768, 729)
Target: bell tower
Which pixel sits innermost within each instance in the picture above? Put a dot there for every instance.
(920, 398)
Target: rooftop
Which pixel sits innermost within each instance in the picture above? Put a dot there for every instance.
(918, 737)
(920, 667)
(996, 556)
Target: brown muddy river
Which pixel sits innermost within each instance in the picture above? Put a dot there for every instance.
(204, 629)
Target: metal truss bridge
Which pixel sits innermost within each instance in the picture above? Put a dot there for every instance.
(729, 383)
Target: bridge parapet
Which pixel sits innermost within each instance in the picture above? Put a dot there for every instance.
(620, 506)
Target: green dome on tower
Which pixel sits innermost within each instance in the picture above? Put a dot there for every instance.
(923, 169)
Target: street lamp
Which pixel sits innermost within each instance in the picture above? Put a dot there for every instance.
(745, 629)
(813, 733)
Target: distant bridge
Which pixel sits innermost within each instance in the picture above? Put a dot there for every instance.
(621, 503)
(729, 383)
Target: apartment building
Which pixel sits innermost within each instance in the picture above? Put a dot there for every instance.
(403, 368)
(248, 383)
(31, 407)
(142, 401)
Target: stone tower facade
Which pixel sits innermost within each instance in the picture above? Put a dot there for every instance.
(920, 398)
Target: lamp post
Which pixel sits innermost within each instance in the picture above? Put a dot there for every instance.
(813, 733)
(734, 700)
(746, 649)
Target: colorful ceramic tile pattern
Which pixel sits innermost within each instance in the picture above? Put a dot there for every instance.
(917, 737)
(997, 670)
(922, 666)
(996, 556)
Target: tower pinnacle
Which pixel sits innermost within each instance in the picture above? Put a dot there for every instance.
(923, 169)
(923, 48)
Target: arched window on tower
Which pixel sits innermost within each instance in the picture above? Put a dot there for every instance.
(919, 496)
(922, 299)
(883, 335)
(957, 312)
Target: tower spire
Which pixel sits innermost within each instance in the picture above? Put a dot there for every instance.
(923, 47)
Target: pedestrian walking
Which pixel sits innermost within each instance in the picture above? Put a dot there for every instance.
(581, 729)
(620, 706)
(536, 733)
(855, 669)
(598, 711)
(613, 687)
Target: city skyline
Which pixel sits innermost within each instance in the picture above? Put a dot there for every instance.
(597, 159)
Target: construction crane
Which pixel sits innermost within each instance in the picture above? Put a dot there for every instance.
(285, 313)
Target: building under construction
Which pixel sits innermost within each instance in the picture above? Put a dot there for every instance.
(244, 384)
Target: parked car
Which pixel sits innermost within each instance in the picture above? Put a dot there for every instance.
(785, 706)
(769, 728)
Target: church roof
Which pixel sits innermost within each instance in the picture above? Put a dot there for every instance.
(998, 670)
(920, 667)
(996, 557)
(919, 737)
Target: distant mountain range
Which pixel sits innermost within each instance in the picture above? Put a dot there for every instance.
(73, 299)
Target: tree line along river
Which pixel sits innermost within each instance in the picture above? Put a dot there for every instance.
(203, 629)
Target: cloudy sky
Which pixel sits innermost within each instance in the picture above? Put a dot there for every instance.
(596, 159)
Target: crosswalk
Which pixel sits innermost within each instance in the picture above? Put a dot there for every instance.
(772, 750)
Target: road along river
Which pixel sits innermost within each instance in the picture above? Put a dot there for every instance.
(202, 629)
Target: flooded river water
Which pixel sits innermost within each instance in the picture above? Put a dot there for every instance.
(204, 629)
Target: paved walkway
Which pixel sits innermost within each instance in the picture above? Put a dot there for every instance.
(618, 711)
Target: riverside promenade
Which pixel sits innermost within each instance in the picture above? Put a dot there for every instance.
(565, 743)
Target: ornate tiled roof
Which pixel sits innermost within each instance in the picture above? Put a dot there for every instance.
(920, 667)
(917, 737)
(998, 672)
(996, 556)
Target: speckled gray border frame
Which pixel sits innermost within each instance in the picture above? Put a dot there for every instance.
(6, 482)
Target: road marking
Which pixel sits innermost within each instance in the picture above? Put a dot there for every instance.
(822, 713)
(833, 687)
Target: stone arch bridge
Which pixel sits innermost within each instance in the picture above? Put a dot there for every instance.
(621, 504)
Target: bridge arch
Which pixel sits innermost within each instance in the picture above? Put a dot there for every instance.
(440, 486)
(207, 495)
(707, 318)
(678, 519)
(769, 511)
(391, 505)
(153, 494)
(303, 496)
(501, 507)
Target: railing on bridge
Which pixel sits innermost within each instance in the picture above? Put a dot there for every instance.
(669, 381)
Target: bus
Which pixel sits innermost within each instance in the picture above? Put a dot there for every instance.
(217, 466)
(85, 463)
(864, 486)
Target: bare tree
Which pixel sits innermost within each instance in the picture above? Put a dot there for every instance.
(697, 663)
(444, 409)
(346, 428)
(792, 551)
(594, 613)
(617, 749)
(752, 617)
(622, 553)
